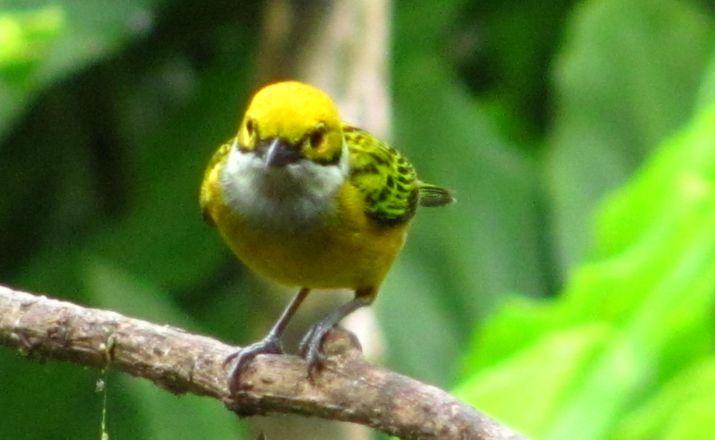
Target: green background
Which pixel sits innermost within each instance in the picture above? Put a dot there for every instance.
(570, 291)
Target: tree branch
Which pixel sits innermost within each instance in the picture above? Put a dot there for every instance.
(348, 388)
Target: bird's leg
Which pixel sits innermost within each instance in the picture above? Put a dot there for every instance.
(269, 344)
(310, 346)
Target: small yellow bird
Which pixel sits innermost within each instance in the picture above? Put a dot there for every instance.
(307, 200)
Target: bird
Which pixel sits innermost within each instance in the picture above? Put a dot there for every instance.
(312, 202)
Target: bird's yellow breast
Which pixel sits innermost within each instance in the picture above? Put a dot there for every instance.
(341, 249)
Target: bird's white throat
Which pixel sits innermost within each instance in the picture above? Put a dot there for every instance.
(287, 197)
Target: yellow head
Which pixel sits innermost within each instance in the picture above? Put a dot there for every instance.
(285, 167)
(289, 121)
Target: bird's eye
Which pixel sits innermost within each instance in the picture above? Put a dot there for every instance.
(316, 137)
(250, 127)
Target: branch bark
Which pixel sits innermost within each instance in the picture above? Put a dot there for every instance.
(348, 388)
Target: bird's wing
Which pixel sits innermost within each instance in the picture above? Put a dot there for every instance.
(384, 178)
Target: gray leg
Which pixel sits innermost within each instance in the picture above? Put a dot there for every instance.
(271, 344)
(311, 344)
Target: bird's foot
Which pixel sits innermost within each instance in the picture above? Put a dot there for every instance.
(311, 347)
(244, 356)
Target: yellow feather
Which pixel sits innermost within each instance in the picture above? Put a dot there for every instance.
(347, 251)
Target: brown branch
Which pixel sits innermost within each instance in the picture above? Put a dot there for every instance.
(348, 388)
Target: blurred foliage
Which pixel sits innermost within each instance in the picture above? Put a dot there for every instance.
(534, 113)
(637, 318)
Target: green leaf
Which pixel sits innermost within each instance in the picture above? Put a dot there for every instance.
(707, 89)
(681, 410)
(627, 77)
(25, 37)
(41, 42)
(651, 284)
(542, 376)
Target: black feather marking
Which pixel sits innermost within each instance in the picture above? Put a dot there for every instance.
(373, 171)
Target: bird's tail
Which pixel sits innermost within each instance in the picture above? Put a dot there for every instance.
(431, 195)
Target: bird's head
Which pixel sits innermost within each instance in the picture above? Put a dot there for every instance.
(289, 121)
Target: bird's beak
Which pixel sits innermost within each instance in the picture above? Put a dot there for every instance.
(279, 153)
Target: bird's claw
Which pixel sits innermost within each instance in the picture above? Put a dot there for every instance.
(311, 348)
(244, 356)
